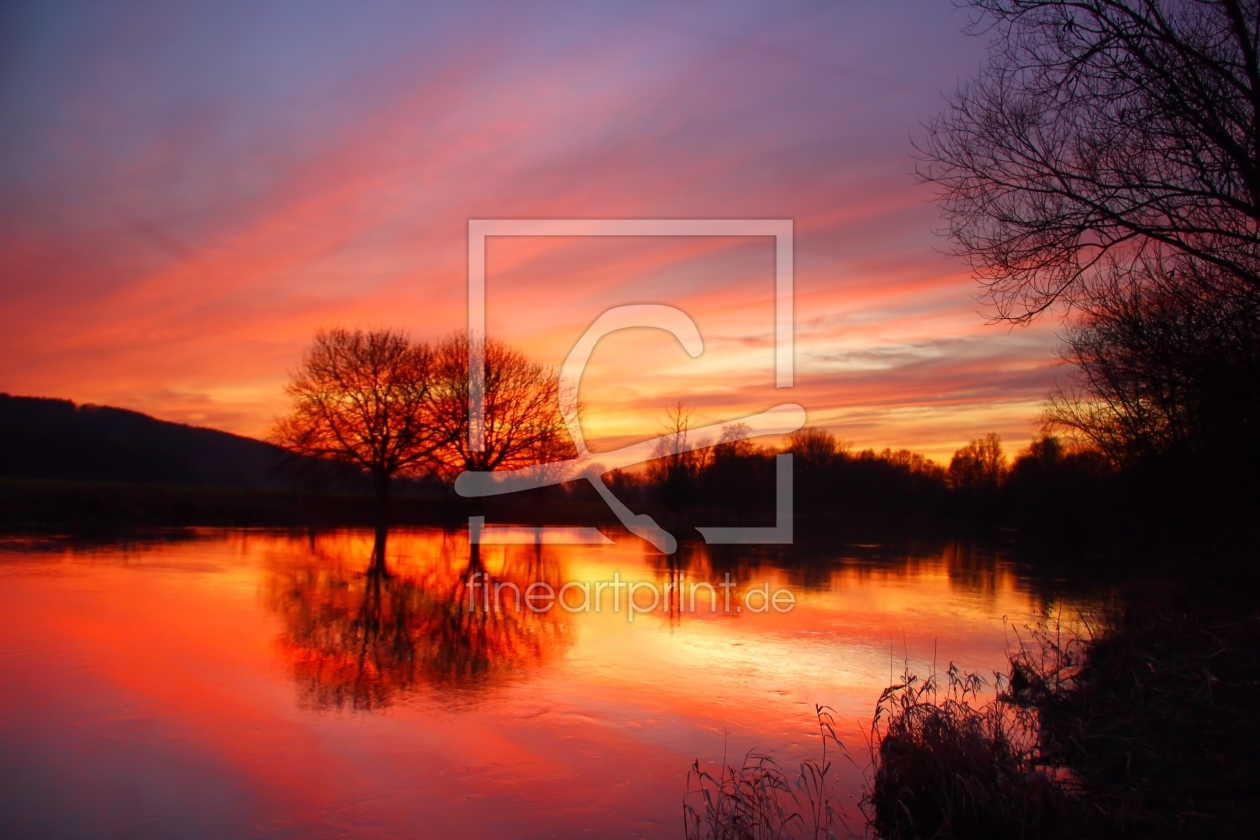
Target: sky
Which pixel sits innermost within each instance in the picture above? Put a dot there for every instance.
(189, 191)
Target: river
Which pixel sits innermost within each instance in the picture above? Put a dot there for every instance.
(260, 683)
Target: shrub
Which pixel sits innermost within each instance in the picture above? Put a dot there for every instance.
(947, 765)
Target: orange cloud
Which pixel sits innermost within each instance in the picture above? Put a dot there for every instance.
(185, 204)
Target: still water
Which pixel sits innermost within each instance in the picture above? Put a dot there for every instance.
(278, 684)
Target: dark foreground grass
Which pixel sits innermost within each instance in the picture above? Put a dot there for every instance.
(1157, 718)
(758, 800)
(1147, 727)
(945, 764)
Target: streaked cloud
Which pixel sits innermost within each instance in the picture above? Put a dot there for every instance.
(188, 191)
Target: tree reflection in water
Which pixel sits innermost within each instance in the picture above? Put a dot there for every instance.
(363, 638)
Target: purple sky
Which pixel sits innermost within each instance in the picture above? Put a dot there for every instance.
(187, 192)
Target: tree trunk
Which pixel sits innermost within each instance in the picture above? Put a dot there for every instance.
(377, 567)
(380, 483)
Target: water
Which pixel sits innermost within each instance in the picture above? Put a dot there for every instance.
(273, 684)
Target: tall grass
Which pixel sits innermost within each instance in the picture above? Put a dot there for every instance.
(947, 764)
(1145, 724)
(757, 800)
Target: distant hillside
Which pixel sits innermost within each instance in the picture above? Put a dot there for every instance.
(56, 439)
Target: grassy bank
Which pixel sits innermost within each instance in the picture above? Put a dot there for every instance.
(1149, 728)
(1158, 717)
(1147, 725)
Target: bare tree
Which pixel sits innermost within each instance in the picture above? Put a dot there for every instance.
(979, 466)
(815, 448)
(677, 466)
(1101, 134)
(1162, 367)
(520, 400)
(362, 397)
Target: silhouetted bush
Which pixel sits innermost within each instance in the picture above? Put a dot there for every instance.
(1156, 716)
(946, 765)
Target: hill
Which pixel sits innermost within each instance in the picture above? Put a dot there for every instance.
(52, 439)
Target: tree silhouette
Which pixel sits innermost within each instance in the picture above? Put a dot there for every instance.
(979, 466)
(1161, 368)
(1107, 159)
(1101, 136)
(675, 471)
(815, 449)
(375, 400)
(363, 397)
(521, 410)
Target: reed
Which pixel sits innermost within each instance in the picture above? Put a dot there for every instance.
(1145, 724)
(757, 800)
(947, 764)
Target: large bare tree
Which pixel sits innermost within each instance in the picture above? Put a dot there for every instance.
(363, 397)
(1098, 136)
(1107, 159)
(521, 409)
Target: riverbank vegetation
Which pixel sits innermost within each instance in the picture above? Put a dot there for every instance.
(1150, 727)
(1103, 167)
(1102, 164)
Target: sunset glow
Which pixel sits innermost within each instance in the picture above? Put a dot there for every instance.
(637, 419)
(189, 193)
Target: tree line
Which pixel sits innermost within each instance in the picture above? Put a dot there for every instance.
(384, 406)
(1051, 486)
(1104, 165)
(1054, 486)
(387, 406)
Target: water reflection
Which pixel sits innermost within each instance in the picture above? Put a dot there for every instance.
(370, 618)
(129, 664)
(364, 628)
(970, 567)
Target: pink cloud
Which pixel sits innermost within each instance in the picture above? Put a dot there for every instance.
(175, 231)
